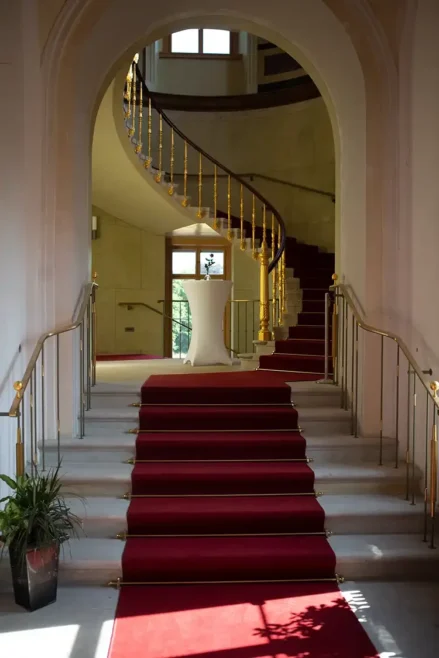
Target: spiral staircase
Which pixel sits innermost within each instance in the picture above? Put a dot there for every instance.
(294, 276)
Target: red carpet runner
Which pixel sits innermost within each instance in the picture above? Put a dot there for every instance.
(222, 493)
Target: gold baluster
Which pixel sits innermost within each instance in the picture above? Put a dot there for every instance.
(148, 160)
(158, 176)
(229, 208)
(254, 252)
(284, 296)
(200, 213)
(215, 197)
(185, 200)
(171, 187)
(241, 218)
(132, 130)
(335, 331)
(264, 311)
(264, 224)
(19, 447)
(273, 273)
(279, 279)
(128, 91)
(139, 144)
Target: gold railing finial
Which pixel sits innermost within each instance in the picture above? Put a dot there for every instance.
(434, 387)
(95, 276)
(18, 387)
(335, 278)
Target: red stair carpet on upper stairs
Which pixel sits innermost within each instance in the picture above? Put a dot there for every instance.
(223, 515)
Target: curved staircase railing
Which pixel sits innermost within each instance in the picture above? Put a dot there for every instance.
(408, 403)
(161, 145)
(37, 405)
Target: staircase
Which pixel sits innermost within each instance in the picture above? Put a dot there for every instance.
(358, 509)
(248, 220)
(376, 532)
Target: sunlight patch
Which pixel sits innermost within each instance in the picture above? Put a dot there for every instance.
(50, 642)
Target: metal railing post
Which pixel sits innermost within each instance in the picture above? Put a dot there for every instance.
(326, 379)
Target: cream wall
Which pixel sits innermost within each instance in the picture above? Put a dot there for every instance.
(130, 263)
(195, 77)
(292, 143)
(48, 11)
(419, 244)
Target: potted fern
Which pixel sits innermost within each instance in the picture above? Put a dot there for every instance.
(34, 522)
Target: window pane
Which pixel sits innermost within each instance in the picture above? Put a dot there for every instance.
(182, 321)
(184, 262)
(216, 42)
(185, 41)
(218, 266)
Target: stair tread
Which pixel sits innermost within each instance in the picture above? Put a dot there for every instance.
(179, 478)
(227, 558)
(86, 558)
(106, 471)
(222, 445)
(333, 505)
(222, 515)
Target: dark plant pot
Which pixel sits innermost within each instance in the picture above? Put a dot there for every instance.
(35, 578)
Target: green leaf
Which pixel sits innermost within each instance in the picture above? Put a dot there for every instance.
(9, 481)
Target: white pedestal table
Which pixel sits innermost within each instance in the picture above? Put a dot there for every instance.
(207, 300)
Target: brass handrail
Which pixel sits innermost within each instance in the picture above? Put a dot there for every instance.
(342, 289)
(346, 322)
(40, 343)
(270, 179)
(32, 419)
(156, 310)
(166, 315)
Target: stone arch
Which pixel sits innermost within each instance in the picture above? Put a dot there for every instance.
(89, 44)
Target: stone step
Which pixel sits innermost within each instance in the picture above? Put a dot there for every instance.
(360, 479)
(315, 421)
(115, 449)
(314, 394)
(84, 561)
(351, 514)
(98, 478)
(93, 561)
(372, 514)
(342, 449)
(385, 557)
(102, 517)
(112, 479)
(320, 421)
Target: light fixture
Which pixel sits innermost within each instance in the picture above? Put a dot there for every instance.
(94, 227)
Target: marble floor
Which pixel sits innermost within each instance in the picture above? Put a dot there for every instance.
(136, 372)
(401, 618)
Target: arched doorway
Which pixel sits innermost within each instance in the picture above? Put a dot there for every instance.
(88, 59)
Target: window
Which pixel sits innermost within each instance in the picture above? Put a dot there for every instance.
(186, 41)
(204, 42)
(188, 263)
